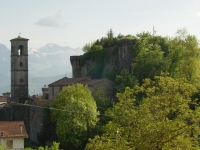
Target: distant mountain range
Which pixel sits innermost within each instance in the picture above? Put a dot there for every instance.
(46, 65)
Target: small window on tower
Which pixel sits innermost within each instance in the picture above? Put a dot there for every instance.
(21, 64)
(20, 51)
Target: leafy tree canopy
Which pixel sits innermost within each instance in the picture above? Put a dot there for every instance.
(105, 42)
(184, 56)
(54, 147)
(162, 120)
(75, 114)
(125, 79)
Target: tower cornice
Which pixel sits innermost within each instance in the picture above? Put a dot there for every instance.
(19, 38)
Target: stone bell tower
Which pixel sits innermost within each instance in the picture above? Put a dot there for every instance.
(19, 68)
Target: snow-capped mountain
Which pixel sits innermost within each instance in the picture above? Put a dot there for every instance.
(50, 60)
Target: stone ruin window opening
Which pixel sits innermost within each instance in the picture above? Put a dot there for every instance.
(20, 51)
(21, 64)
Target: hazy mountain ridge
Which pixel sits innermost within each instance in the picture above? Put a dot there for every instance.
(51, 59)
(45, 64)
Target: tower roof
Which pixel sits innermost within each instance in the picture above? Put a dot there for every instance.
(19, 38)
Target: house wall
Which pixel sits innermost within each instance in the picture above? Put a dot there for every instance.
(17, 142)
(53, 91)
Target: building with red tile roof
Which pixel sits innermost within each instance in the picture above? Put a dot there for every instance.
(12, 134)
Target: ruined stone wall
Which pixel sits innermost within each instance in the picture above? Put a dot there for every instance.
(125, 54)
(107, 85)
(86, 67)
(37, 123)
(111, 62)
(76, 69)
(116, 59)
(5, 113)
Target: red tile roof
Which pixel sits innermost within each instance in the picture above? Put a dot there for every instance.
(69, 81)
(13, 129)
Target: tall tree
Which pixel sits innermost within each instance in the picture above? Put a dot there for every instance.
(88, 47)
(184, 56)
(125, 79)
(162, 121)
(150, 61)
(75, 114)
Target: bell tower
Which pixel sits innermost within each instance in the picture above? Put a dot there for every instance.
(19, 68)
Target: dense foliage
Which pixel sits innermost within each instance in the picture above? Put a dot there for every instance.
(55, 146)
(75, 114)
(105, 42)
(163, 119)
(153, 54)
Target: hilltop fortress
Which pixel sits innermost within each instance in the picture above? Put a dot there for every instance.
(104, 63)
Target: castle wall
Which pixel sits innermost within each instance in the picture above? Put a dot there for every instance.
(116, 60)
(86, 67)
(125, 54)
(76, 69)
(36, 123)
(33, 118)
(5, 113)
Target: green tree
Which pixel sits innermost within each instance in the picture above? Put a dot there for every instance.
(125, 79)
(96, 47)
(55, 146)
(110, 34)
(2, 147)
(149, 62)
(184, 56)
(88, 47)
(75, 114)
(162, 121)
(102, 101)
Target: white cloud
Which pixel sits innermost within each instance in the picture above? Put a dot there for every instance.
(52, 21)
(198, 14)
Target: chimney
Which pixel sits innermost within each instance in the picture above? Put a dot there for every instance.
(21, 129)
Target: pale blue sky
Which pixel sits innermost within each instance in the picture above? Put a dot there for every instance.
(76, 22)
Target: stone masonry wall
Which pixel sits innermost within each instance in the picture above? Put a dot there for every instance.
(33, 117)
(116, 59)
